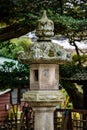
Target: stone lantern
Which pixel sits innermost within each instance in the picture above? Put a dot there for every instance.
(44, 58)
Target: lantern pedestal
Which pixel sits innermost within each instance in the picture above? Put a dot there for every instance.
(43, 103)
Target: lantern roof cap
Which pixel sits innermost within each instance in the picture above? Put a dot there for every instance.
(44, 51)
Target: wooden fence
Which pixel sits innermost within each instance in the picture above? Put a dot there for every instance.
(64, 119)
(70, 119)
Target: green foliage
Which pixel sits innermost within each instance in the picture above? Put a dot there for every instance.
(10, 51)
(75, 8)
(24, 42)
(11, 48)
(70, 17)
(15, 10)
(82, 58)
(14, 75)
(70, 69)
(67, 24)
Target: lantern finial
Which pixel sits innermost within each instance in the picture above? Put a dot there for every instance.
(44, 28)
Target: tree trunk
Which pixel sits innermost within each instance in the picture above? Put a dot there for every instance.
(76, 97)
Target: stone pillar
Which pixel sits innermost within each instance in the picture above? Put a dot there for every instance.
(44, 118)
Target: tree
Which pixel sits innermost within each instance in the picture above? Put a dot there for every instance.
(21, 16)
(14, 75)
(70, 18)
(76, 8)
(72, 75)
(11, 48)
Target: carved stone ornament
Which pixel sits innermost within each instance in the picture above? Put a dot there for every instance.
(44, 28)
(43, 96)
(44, 51)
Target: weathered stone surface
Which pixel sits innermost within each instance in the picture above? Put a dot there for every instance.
(44, 118)
(44, 28)
(43, 96)
(46, 78)
(44, 52)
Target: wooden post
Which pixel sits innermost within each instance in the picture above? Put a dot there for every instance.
(67, 121)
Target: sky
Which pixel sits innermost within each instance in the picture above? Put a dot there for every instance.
(65, 43)
(62, 41)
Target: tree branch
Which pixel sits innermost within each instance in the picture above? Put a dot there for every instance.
(15, 30)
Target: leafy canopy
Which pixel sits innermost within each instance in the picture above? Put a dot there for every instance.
(21, 16)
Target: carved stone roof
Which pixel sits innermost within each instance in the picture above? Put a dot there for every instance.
(44, 51)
